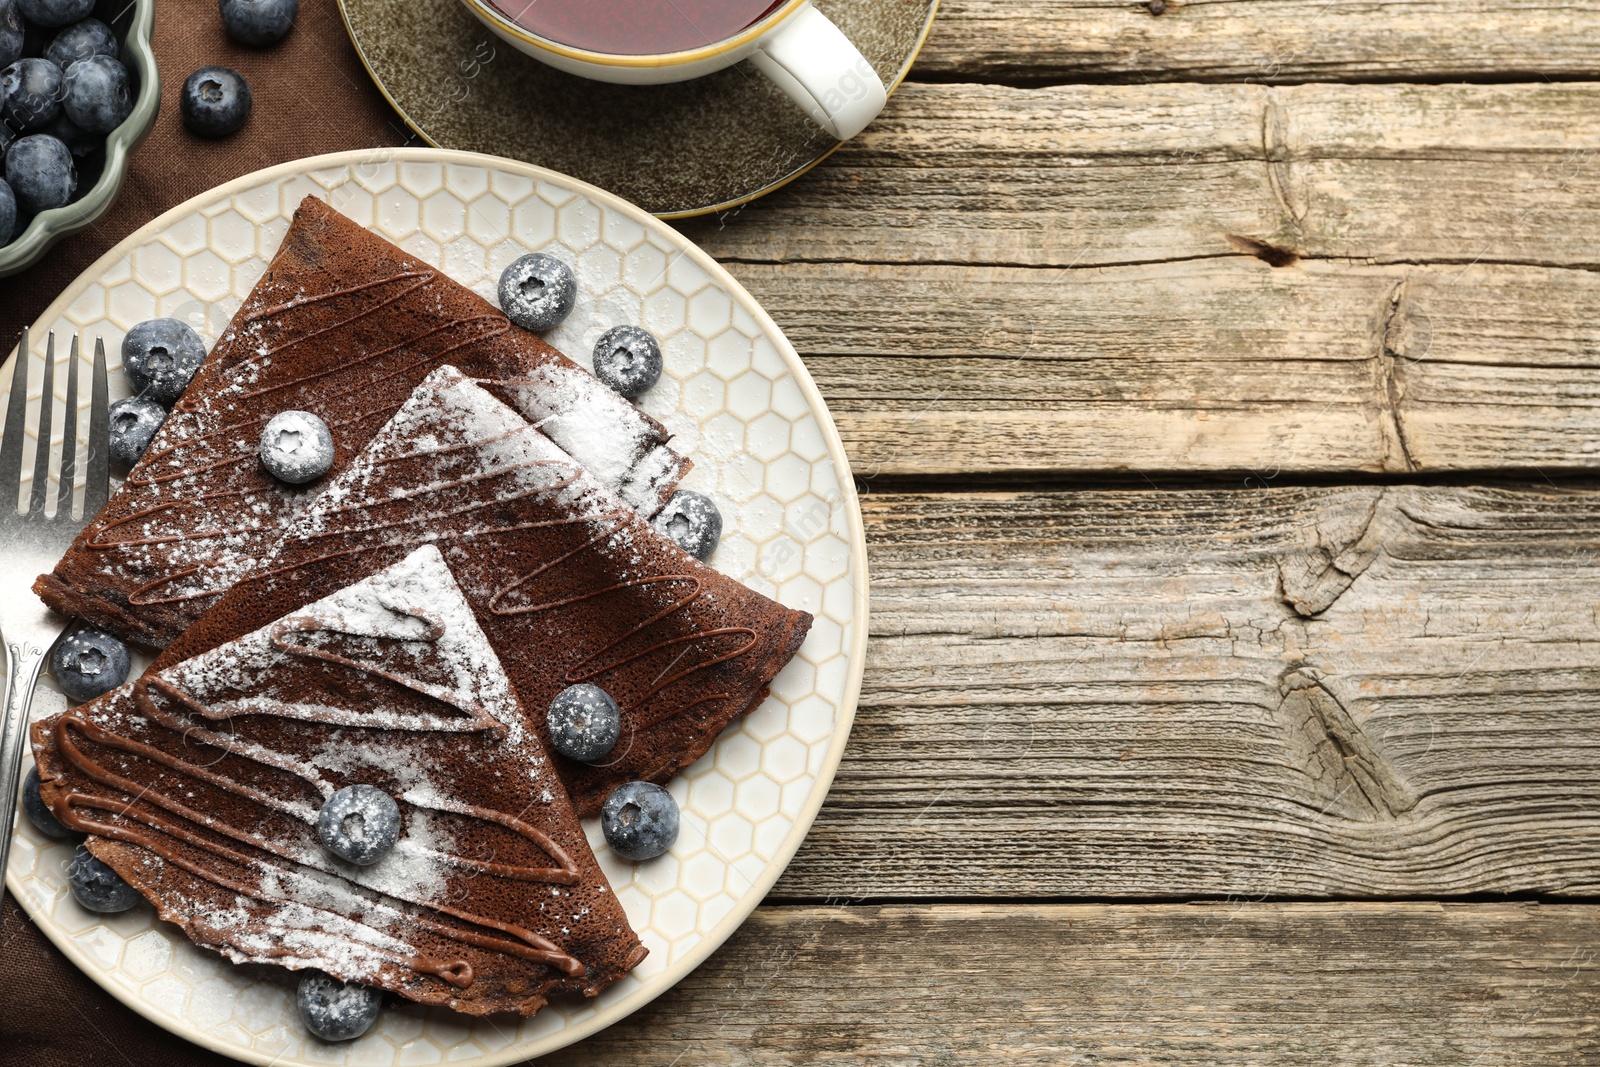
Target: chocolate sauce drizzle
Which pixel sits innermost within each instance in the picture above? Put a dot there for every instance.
(181, 459)
(171, 706)
(503, 602)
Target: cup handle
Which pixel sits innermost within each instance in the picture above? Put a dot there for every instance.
(810, 59)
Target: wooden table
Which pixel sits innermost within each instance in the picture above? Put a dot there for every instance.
(1223, 381)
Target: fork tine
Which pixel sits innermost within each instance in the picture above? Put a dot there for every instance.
(41, 454)
(97, 458)
(11, 440)
(69, 437)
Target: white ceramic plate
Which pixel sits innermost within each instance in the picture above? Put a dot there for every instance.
(737, 399)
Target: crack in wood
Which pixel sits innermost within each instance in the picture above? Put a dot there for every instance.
(1275, 141)
(1392, 349)
(1271, 254)
(1349, 538)
(1349, 777)
(1281, 251)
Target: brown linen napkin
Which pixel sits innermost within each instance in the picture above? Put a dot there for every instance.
(55, 1015)
(311, 95)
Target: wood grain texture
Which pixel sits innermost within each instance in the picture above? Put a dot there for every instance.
(1290, 692)
(1086, 176)
(1257, 40)
(1358, 985)
(1249, 692)
(1045, 280)
(1224, 364)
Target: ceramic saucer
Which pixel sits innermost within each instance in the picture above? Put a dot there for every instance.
(675, 150)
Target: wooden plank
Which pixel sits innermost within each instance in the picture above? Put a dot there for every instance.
(1224, 364)
(1436, 316)
(1080, 176)
(1235, 983)
(1301, 692)
(1258, 40)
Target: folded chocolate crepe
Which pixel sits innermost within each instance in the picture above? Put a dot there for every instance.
(201, 785)
(344, 325)
(569, 583)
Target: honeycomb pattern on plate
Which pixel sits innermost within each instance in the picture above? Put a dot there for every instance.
(734, 398)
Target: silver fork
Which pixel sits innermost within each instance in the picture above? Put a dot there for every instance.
(31, 542)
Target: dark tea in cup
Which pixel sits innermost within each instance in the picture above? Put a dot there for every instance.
(655, 42)
(636, 27)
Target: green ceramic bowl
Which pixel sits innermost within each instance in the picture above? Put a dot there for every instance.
(100, 174)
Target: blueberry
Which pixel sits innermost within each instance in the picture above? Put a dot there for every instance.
(537, 291)
(258, 22)
(8, 213)
(42, 818)
(584, 722)
(79, 142)
(640, 820)
(134, 423)
(91, 37)
(54, 13)
(627, 359)
(40, 171)
(33, 89)
(97, 886)
(13, 35)
(692, 520)
(159, 356)
(296, 447)
(335, 1010)
(89, 662)
(359, 823)
(98, 97)
(215, 101)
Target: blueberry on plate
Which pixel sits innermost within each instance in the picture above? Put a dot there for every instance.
(53, 13)
(584, 722)
(91, 37)
(87, 663)
(693, 521)
(296, 447)
(640, 820)
(537, 291)
(627, 359)
(40, 171)
(13, 35)
(215, 101)
(159, 356)
(359, 823)
(33, 89)
(8, 212)
(79, 142)
(42, 818)
(98, 97)
(258, 22)
(97, 886)
(134, 422)
(335, 1010)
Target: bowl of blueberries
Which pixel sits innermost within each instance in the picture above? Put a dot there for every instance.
(78, 93)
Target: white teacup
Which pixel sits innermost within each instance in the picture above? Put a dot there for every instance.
(795, 45)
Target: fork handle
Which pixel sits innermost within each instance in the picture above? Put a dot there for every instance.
(26, 660)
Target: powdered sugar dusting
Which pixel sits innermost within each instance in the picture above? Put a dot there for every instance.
(384, 615)
(601, 430)
(197, 512)
(451, 412)
(317, 910)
